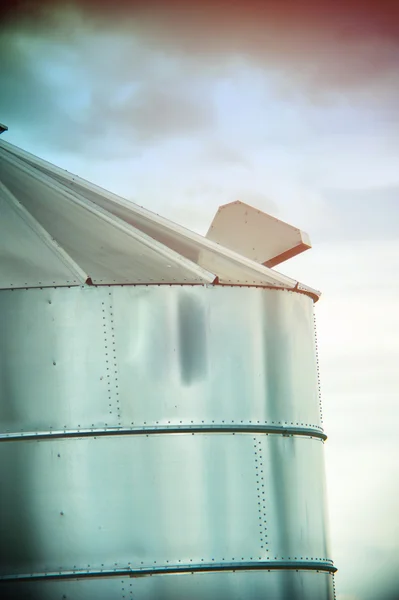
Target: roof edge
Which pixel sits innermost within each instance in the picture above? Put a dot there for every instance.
(281, 281)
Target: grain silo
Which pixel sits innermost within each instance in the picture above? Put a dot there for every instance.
(161, 435)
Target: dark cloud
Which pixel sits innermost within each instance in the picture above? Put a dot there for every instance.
(369, 15)
(251, 25)
(331, 41)
(149, 114)
(26, 99)
(86, 85)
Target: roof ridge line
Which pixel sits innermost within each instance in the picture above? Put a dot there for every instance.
(43, 235)
(114, 221)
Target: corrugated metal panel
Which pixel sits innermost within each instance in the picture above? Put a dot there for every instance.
(141, 439)
(158, 500)
(177, 362)
(148, 500)
(229, 266)
(108, 249)
(28, 255)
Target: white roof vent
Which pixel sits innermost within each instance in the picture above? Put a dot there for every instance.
(256, 235)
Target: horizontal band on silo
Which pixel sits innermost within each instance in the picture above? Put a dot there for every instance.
(312, 565)
(164, 430)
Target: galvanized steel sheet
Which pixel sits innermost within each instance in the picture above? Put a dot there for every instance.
(156, 355)
(160, 500)
(153, 431)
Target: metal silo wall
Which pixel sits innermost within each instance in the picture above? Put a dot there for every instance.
(161, 442)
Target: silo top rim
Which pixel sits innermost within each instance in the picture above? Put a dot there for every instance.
(58, 229)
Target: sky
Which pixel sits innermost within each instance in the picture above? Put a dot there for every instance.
(291, 106)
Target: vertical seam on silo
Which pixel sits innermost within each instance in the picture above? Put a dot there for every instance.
(334, 590)
(260, 486)
(114, 360)
(110, 357)
(104, 315)
(317, 367)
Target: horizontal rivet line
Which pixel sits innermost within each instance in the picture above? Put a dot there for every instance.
(201, 283)
(327, 567)
(169, 429)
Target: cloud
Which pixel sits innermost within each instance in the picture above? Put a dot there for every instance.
(80, 87)
(83, 74)
(238, 81)
(219, 152)
(355, 215)
(368, 214)
(25, 96)
(335, 42)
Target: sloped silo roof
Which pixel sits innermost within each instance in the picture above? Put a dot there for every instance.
(57, 229)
